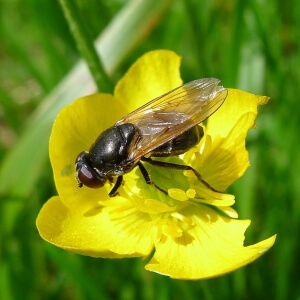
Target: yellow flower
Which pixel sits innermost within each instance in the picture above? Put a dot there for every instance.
(193, 233)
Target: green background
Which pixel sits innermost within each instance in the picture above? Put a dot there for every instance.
(252, 45)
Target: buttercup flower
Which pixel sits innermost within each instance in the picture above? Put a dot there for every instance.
(193, 232)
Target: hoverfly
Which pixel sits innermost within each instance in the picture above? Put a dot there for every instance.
(165, 126)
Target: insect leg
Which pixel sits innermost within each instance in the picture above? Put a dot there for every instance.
(147, 177)
(179, 167)
(114, 190)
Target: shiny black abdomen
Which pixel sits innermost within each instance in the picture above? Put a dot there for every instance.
(180, 144)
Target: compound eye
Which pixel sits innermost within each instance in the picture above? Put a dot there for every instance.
(85, 174)
(88, 177)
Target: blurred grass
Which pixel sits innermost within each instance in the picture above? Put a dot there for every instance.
(253, 45)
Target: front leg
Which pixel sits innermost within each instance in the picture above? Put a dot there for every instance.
(117, 185)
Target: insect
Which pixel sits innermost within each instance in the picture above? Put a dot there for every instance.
(166, 126)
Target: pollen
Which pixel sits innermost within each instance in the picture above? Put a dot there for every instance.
(174, 224)
(178, 194)
(191, 193)
(182, 218)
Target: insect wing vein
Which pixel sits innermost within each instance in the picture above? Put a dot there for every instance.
(173, 113)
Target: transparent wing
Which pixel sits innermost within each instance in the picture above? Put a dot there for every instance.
(173, 113)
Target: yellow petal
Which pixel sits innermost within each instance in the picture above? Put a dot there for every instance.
(227, 159)
(212, 247)
(237, 104)
(152, 206)
(222, 156)
(152, 75)
(118, 230)
(76, 127)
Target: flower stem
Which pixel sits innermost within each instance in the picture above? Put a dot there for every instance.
(85, 45)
